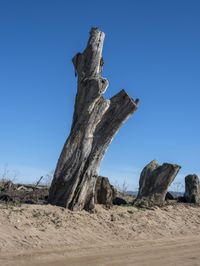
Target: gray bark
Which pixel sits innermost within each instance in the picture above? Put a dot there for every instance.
(95, 122)
(104, 191)
(192, 189)
(154, 182)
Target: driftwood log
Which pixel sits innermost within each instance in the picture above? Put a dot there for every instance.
(169, 196)
(192, 189)
(119, 201)
(105, 193)
(95, 122)
(154, 182)
(23, 193)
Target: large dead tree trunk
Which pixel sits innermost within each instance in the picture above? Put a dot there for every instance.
(154, 182)
(95, 122)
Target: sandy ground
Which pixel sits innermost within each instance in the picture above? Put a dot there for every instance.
(47, 235)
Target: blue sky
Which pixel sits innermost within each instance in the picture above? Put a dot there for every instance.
(152, 49)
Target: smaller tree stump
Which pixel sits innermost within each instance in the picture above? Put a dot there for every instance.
(154, 182)
(192, 189)
(104, 191)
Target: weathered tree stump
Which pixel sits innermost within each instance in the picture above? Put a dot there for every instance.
(104, 191)
(192, 189)
(95, 122)
(154, 182)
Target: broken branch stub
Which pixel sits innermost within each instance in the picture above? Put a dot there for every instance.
(95, 122)
(154, 182)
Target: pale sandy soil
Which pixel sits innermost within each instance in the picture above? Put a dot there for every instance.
(47, 235)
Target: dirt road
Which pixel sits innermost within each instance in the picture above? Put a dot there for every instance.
(184, 251)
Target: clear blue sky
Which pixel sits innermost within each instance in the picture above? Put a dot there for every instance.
(152, 49)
